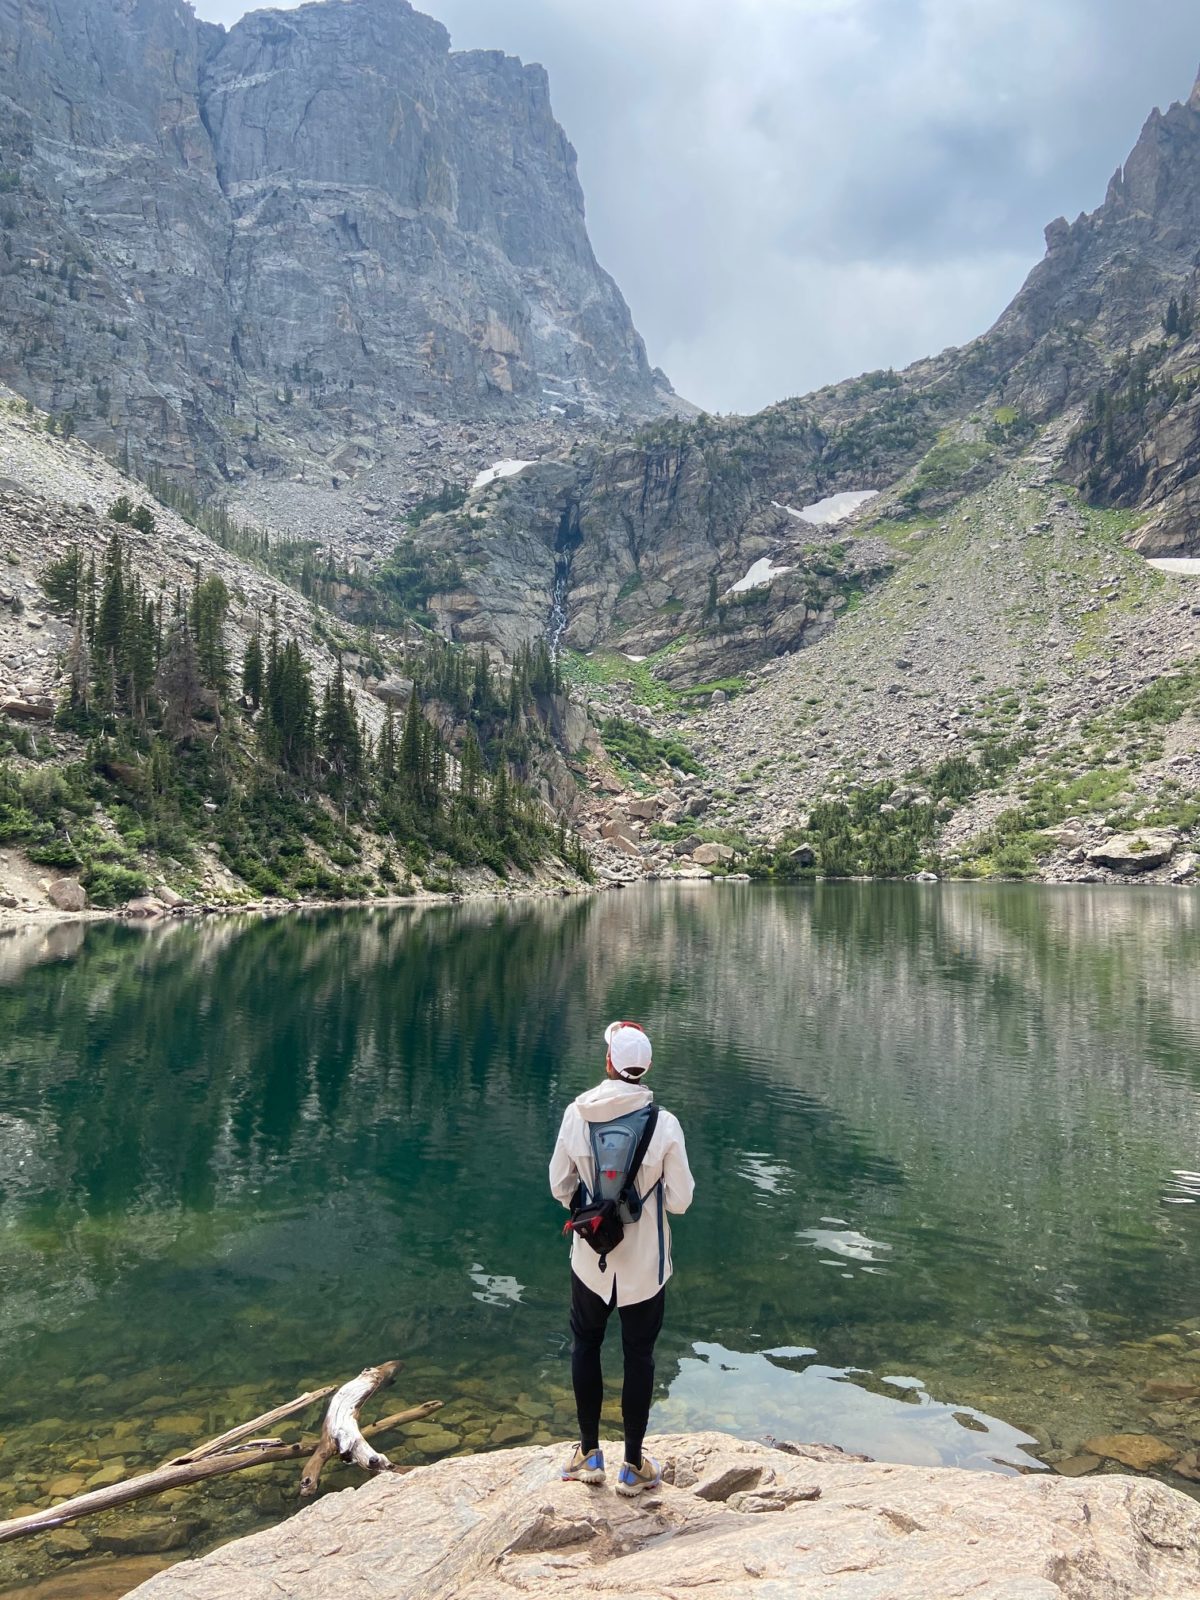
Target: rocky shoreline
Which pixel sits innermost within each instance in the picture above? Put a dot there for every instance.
(165, 906)
(738, 1519)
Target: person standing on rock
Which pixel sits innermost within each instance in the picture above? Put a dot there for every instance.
(619, 1154)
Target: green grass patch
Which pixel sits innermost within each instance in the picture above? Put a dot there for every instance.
(637, 748)
(1166, 700)
(610, 666)
(730, 686)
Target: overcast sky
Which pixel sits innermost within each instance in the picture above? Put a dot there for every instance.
(790, 192)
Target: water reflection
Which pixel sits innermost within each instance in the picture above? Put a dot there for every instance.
(784, 1394)
(845, 1242)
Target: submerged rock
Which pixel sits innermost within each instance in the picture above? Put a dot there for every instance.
(1141, 1451)
(479, 1527)
(141, 1535)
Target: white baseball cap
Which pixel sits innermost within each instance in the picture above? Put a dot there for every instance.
(628, 1048)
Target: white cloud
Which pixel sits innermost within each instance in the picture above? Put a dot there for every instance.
(790, 191)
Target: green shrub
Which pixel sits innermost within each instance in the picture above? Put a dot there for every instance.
(55, 853)
(16, 824)
(108, 884)
(643, 751)
(1165, 700)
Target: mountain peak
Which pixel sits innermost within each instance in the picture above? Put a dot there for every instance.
(1194, 98)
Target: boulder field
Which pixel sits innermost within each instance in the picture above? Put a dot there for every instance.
(733, 1519)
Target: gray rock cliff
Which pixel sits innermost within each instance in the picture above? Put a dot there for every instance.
(220, 245)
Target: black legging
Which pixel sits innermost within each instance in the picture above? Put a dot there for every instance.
(640, 1327)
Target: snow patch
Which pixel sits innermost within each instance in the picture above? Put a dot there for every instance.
(760, 574)
(501, 469)
(1183, 566)
(628, 657)
(835, 507)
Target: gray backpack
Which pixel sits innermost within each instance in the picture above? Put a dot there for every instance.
(618, 1150)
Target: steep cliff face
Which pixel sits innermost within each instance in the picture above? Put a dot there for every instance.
(223, 246)
(644, 550)
(407, 221)
(1108, 277)
(112, 297)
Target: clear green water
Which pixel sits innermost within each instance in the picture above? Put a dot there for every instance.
(944, 1142)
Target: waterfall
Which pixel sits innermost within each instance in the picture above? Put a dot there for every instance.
(558, 605)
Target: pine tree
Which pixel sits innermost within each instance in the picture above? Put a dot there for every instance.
(385, 755)
(288, 702)
(501, 799)
(110, 626)
(481, 688)
(138, 652)
(412, 752)
(341, 742)
(252, 671)
(179, 685)
(210, 603)
(110, 612)
(470, 767)
(1171, 320)
(63, 581)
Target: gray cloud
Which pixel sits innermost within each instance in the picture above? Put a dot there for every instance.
(792, 191)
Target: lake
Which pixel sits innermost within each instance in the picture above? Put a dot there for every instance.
(944, 1140)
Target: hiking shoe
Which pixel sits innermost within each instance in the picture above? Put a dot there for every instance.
(633, 1480)
(585, 1469)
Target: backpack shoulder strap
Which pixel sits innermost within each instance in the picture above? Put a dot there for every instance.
(639, 1155)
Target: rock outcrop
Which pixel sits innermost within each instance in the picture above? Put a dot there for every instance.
(733, 1520)
(226, 248)
(644, 547)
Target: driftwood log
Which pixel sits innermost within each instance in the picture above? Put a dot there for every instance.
(341, 1435)
(239, 1449)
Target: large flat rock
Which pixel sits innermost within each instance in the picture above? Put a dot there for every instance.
(738, 1519)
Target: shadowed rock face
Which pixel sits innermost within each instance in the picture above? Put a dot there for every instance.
(641, 546)
(301, 228)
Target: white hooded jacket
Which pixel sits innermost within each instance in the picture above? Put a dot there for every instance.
(641, 1263)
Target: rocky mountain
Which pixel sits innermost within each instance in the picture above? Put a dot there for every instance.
(134, 798)
(912, 583)
(929, 585)
(643, 546)
(226, 252)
